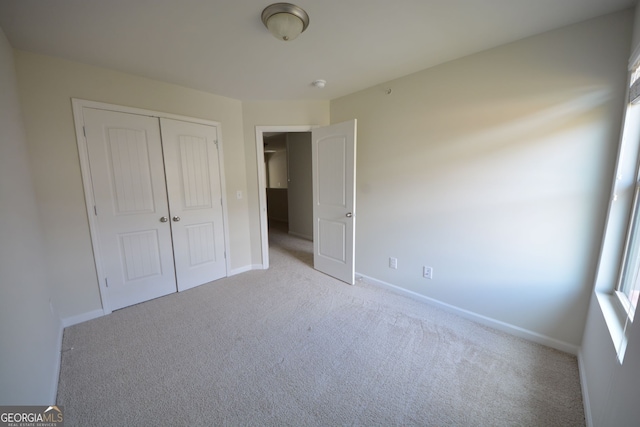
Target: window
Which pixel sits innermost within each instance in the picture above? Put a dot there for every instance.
(617, 283)
(628, 288)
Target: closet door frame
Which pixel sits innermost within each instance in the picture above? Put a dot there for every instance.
(78, 105)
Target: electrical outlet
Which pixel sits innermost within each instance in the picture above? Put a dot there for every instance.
(427, 272)
(393, 263)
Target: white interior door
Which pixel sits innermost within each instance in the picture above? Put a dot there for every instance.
(195, 201)
(125, 157)
(334, 199)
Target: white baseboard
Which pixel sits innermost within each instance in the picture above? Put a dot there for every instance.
(244, 269)
(585, 391)
(487, 321)
(74, 320)
(56, 369)
(64, 323)
(302, 236)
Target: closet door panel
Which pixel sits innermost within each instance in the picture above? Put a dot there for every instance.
(195, 201)
(131, 208)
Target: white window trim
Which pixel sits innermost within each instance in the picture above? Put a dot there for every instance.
(622, 298)
(615, 319)
(612, 304)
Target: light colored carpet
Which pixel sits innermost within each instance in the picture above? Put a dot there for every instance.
(291, 346)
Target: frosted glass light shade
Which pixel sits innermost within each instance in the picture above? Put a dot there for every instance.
(285, 20)
(285, 26)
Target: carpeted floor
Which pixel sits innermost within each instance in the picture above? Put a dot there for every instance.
(291, 346)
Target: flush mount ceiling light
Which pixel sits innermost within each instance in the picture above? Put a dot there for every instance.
(285, 20)
(320, 84)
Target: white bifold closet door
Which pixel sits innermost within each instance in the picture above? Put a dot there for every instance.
(157, 203)
(195, 201)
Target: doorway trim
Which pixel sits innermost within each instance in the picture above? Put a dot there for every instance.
(262, 185)
(78, 118)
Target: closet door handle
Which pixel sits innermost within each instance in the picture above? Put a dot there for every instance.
(164, 219)
(176, 218)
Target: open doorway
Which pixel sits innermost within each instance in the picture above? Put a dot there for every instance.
(284, 181)
(276, 169)
(289, 182)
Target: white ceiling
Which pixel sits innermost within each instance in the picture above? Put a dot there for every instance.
(221, 46)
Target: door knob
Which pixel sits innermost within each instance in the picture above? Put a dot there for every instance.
(176, 218)
(349, 214)
(164, 219)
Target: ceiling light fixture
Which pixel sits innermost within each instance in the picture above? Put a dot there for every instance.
(285, 21)
(320, 84)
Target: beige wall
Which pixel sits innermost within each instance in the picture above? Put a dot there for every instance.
(272, 113)
(277, 169)
(495, 170)
(30, 332)
(46, 86)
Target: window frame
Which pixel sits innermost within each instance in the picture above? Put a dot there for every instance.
(633, 232)
(632, 235)
(624, 204)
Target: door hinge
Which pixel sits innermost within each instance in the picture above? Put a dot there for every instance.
(106, 282)
(95, 210)
(84, 131)
(215, 141)
(225, 254)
